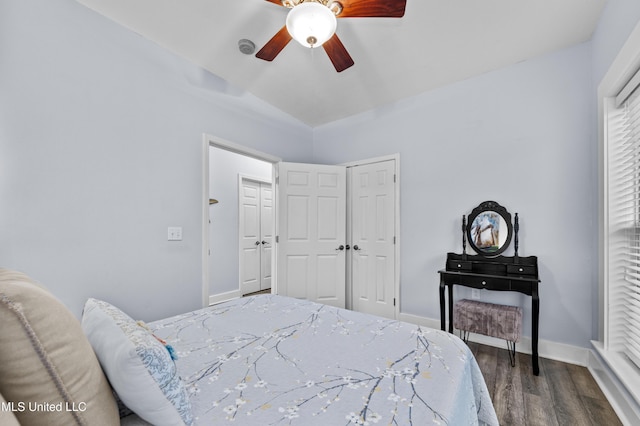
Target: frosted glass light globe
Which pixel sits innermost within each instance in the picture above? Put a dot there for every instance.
(311, 24)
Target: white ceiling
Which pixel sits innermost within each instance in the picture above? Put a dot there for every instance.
(436, 43)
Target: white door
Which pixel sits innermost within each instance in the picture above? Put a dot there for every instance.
(312, 232)
(256, 207)
(372, 198)
(266, 234)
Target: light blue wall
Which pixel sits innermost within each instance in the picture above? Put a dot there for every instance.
(521, 136)
(101, 150)
(101, 145)
(618, 20)
(538, 119)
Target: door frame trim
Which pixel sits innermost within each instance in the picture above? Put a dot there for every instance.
(217, 142)
(349, 165)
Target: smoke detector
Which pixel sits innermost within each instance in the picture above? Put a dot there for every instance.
(246, 46)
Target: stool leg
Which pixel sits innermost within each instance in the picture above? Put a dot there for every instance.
(511, 347)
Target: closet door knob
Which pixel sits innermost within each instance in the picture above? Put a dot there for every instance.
(356, 247)
(340, 248)
(257, 243)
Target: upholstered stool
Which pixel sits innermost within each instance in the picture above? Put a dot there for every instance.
(489, 319)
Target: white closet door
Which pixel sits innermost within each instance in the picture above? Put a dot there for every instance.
(256, 235)
(250, 243)
(266, 232)
(312, 232)
(373, 227)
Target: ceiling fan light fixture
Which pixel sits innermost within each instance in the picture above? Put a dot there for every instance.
(311, 24)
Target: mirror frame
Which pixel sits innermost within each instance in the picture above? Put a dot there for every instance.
(483, 208)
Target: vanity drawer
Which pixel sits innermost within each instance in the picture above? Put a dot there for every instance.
(478, 282)
(521, 269)
(458, 265)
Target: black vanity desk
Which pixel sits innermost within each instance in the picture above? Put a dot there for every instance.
(500, 273)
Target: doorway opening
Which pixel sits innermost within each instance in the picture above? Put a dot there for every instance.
(225, 165)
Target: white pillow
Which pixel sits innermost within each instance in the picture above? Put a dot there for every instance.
(138, 366)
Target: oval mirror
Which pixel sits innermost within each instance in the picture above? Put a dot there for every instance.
(489, 229)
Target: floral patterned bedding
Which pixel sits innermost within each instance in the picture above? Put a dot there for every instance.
(272, 360)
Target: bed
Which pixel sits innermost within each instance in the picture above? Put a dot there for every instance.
(272, 360)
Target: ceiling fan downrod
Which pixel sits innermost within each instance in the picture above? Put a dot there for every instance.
(333, 5)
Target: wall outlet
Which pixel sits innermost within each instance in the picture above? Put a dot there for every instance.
(174, 233)
(475, 293)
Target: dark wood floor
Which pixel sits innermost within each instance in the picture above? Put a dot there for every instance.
(563, 394)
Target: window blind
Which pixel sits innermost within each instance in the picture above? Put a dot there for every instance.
(624, 224)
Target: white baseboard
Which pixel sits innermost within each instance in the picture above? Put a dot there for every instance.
(546, 349)
(223, 297)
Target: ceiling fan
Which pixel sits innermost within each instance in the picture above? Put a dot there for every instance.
(313, 23)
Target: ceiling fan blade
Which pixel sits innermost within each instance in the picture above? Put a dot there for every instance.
(275, 45)
(337, 53)
(372, 8)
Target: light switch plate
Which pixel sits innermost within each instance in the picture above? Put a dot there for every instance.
(174, 233)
